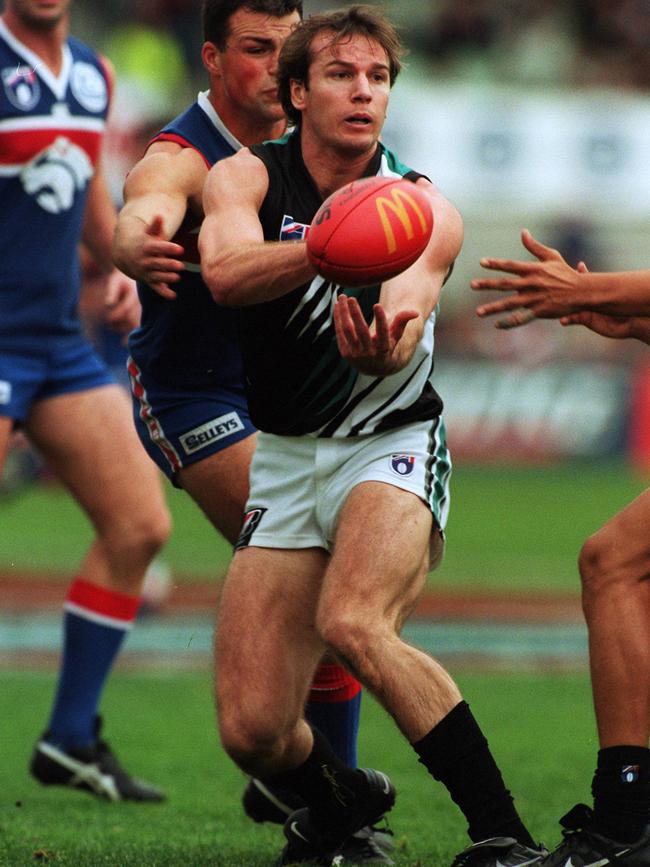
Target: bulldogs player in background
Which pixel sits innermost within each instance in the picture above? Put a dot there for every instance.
(54, 98)
(185, 367)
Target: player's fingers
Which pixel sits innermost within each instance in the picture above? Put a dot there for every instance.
(361, 330)
(515, 320)
(537, 248)
(400, 322)
(504, 305)
(163, 289)
(511, 266)
(343, 325)
(155, 227)
(499, 284)
(382, 337)
(164, 250)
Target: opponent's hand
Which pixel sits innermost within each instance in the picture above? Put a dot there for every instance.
(616, 327)
(544, 289)
(155, 260)
(122, 304)
(371, 350)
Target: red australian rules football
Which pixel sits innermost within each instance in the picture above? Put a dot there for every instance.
(369, 230)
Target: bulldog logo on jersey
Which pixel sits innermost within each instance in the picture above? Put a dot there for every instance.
(292, 231)
(402, 464)
(252, 520)
(22, 86)
(55, 175)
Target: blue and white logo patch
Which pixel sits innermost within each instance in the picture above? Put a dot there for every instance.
(211, 431)
(292, 231)
(402, 464)
(5, 391)
(630, 774)
(22, 86)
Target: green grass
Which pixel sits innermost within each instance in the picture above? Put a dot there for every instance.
(509, 528)
(540, 728)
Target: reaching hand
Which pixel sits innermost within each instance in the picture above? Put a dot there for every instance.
(372, 352)
(543, 289)
(156, 261)
(122, 303)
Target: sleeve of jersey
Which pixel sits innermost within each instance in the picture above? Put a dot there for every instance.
(179, 140)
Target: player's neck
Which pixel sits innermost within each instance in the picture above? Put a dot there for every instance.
(46, 43)
(247, 130)
(331, 168)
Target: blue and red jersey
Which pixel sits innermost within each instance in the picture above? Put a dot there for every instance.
(50, 137)
(190, 342)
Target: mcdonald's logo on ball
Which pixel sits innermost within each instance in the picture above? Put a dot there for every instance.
(369, 231)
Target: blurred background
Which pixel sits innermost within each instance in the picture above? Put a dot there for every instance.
(526, 113)
(530, 113)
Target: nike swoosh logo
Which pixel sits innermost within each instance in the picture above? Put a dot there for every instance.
(386, 785)
(294, 830)
(601, 861)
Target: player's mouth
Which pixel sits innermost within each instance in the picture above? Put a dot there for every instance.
(361, 119)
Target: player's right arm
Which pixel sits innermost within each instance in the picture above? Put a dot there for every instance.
(237, 264)
(157, 194)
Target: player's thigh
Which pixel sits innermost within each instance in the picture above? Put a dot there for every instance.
(381, 552)
(6, 426)
(88, 440)
(219, 484)
(266, 642)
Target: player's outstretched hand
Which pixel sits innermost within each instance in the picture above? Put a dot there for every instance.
(371, 351)
(122, 304)
(545, 289)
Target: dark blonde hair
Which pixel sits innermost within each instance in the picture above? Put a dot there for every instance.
(296, 55)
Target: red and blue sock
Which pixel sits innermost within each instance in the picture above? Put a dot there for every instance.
(96, 621)
(334, 708)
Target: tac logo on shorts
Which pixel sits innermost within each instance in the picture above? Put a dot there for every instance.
(210, 432)
(630, 774)
(292, 231)
(5, 391)
(252, 520)
(402, 464)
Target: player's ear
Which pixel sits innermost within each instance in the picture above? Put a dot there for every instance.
(298, 90)
(211, 57)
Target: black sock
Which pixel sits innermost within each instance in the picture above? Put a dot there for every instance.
(327, 785)
(621, 790)
(456, 752)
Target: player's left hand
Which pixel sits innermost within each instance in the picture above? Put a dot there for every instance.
(542, 290)
(121, 302)
(370, 350)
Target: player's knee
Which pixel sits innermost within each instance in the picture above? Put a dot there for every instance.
(143, 536)
(252, 742)
(606, 564)
(351, 637)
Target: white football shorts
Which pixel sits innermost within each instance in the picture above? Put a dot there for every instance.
(299, 484)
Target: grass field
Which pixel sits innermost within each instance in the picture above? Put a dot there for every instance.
(540, 728)
(509, 528)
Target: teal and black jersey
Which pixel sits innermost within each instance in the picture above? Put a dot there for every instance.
(297, 382)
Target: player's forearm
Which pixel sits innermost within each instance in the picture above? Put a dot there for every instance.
(255, 272)
(624, 293)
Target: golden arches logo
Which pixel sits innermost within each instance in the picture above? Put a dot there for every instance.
(397, 204)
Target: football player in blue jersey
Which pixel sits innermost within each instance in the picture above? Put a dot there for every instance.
(185, 364)
(53, 105)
